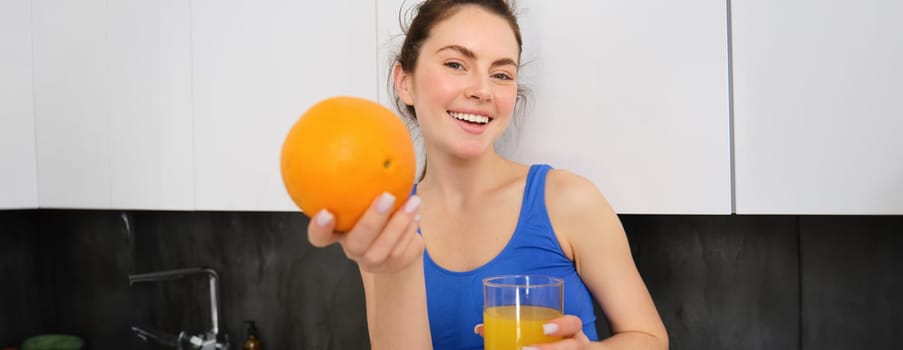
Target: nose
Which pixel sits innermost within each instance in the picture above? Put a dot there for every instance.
(479, 89)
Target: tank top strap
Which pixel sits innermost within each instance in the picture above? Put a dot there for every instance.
(535, 190)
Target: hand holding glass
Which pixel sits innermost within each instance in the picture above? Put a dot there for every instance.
(515, 308)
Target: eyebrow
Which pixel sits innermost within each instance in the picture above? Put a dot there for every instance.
(470, 55)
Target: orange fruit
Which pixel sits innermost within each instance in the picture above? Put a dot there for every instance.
(344, 152)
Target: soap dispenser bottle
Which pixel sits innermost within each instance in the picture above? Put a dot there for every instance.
(252, 342)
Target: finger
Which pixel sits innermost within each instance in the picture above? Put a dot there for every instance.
(478, 329)
(410, 237)
(393, 235)
(414, 248)
(321, 229)
(410, 248)
(564, 326)
(369, 225)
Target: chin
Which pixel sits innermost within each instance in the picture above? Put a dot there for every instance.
(469, 150)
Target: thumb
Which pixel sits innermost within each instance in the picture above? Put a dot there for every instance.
(478, 329)
(321, 229)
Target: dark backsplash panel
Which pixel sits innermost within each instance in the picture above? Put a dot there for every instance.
(21, 301)
(79, 261)
(853, 282)
(720, 282)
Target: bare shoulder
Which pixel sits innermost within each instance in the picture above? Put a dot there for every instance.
(569, 194)
(580, 214)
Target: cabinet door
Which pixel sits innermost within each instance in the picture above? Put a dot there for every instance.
(113, 108)
(632, 95)
(72, 112)
(817, 112)
(256, 66)
(151, 139)
(18, 178)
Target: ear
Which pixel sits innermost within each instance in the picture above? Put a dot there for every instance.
(404, 84)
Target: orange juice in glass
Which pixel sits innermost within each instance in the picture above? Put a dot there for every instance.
(516, 306)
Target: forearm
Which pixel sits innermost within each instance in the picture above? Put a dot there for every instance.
(632, 341)
(396, 309)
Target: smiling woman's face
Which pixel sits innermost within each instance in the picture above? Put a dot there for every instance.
(464, 86)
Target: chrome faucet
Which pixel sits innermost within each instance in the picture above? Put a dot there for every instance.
(208, 341)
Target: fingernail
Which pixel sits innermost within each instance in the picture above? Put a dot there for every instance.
(384, 203)
(529, 348)
(475, 329)
(549, 328)
(412, 204)
(324, 217)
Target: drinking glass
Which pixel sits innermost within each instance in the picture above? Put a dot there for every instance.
(515, 307)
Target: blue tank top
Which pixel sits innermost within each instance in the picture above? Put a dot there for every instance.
(455, 299)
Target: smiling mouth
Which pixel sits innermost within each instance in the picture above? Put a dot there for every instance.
(470, 118)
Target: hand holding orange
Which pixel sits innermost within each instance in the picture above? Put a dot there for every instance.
(342, 153)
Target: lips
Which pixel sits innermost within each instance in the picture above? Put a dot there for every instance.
(471, 123)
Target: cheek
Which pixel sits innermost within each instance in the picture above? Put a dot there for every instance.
(506, 99)
(436, 88)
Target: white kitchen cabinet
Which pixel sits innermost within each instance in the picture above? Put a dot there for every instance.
(256, 66)
(818, 118)
(72, 112)
(632, 95)
(151, 125)
(184, 105)
(18, 177)
(113, 104)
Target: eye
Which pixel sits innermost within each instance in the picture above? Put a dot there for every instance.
(454, 65)
(502, 76)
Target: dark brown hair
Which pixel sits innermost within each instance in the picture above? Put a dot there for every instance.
(428, 14)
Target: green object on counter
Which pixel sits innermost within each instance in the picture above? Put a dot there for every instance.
(53, 342)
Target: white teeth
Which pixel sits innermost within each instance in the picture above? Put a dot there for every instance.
(470, 117)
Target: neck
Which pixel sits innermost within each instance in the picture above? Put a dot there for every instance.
(459, 180)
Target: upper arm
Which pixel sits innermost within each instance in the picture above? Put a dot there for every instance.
(588, 226)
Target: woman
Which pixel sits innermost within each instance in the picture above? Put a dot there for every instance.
(482, 214)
